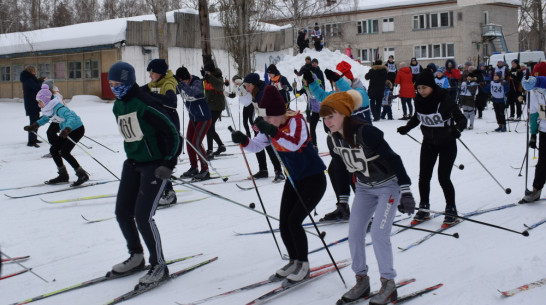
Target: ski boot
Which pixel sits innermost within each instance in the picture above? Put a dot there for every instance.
(531, 196)
(82, 175)
(220, 150)
(190, 173)
(279, 177)
(284, 271)
(210, 155)
(341, 212)
(168, 198)
(421, 216)
(203, 175)
(262, 173)
(301, 273)
(449, 219)
(360, 290)
(387, 293)
(156, 274)
(62, 178)
(134, 263)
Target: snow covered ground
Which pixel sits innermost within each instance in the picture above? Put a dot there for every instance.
(66, 250)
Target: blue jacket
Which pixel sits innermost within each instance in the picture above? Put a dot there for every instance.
(64, 116)
(194, 99)
(487, 89)
(31, 86)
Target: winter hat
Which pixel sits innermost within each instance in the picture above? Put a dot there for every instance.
(307, 57)
(425, 79)
(209, 66)
(378, 62)
(252, 78)
(158, 66)
(468, 63)
(44, 94)
(499, 74)
(403, 64)
(413, 59)
(343, 102)
(345, 68)
(49, 84)
(432, 67)
(122, 72)
(182, 73)
(273, 69)
(539, 69)
(315, 60)
(442, 70)
(272, 102)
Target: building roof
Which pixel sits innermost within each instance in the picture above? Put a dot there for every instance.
(83, 35)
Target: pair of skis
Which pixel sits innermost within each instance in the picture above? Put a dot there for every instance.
(399, 300)
(86, 184)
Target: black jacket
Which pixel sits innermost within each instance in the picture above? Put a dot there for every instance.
(31, 86)
(377, 77)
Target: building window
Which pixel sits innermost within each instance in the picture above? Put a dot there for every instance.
(450, 50)
(368, 54)
(16, 72)
(74, 70)
(370, 26)
(92, 68)
(439, 20)
(59, 70)
(388, 24)
(420, 51)
(332, 29)
(44, 70)
(485, 17)
(438, 50)
(419, 22)
(5, 74)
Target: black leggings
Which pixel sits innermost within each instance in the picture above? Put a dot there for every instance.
(248, 120)
(313, 121)
(499, 112)
(540, 171)
(211, 134)
(292, 213)
(446, 152)
(60, 148)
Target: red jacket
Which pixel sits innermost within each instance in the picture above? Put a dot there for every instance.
(404, 78)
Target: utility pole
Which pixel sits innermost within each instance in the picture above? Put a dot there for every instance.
(205, 31)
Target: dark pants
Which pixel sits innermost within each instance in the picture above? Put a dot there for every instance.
(407, 107)
(262, 161)
(248, 121)
(195, 135)
(514, 104)
(60, 148)
(292, 213)
(313, 121)
(375, 106)
(211, 134)
(32, 138)
(446, 153)
(499, 112)
(387, 112)
(540, 171)
(138, 195)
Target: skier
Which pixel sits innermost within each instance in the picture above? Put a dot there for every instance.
(498, 89)
(404, 79)
(31, 86)
(453, 75)
(280, 82)
(441, 124)
(163, 88)
(391, 69)
(377, 76)
(213, 82)
(415, 68)
(151, 143)
(469, 91)
(70, 125)
(382, 185)
(191, 90)
(537, 118)
(246, 100)
(441, 79)
(289, 134)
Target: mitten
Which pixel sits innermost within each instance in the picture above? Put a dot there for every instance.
(65, 132)
(403, 130)
(331, 75)
(32, 127)
(266, 128)
(239, 138)
(163, 172)
(308, 76)
(529, 84)
(407, 203)
(533, 141)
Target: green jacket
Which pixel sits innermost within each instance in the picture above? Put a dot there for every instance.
(148, 134)
(166, 83)
(214, 90)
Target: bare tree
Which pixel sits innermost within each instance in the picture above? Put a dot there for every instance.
(86, 10)
(62, 14)
(159, 9)
(109, 9)
(531, 24)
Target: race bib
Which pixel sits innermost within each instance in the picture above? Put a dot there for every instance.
(432, 120)
(129, 127)
(57, 119)
(354, 159)
(542, 112)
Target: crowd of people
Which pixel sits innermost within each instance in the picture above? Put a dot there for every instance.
(443, 100)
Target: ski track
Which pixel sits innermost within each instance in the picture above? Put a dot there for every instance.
(65, 251)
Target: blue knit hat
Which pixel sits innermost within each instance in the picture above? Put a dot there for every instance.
(122, 72)
(158, 66)
(252, 78)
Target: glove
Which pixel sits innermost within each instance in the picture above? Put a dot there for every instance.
(65, 132)
(529, 84)
(407, 203)
(403, 130)
(285, 87)
(163, 172)
(32, 127)
(226, 82)
(520, 98)
(296, 71)
(308, 76)
(266, 128)
(202, 72)
(239, 137)
(454, 132)
(331, 75)
(232, 95)
(533, 141)
(294, 85)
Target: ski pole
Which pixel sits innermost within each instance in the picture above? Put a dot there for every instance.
(460, 166)
(258, 193)
(88, 147)
(39, 136)
(27, 269)
(92, 157)
(205, 191)
(524, 233)
(203, 157)
(521, 168)
(456, 235)
(114, 151)
(300, 199)
(506, 190)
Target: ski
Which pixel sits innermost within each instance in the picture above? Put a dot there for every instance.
(140, 290)
(15, 259)
(13, 274)
(248, 188)
(97, 220)
(229, 181)
(91, 197)
(535, 284)
(252, 286)
(60, 190)
(35, 185)
(307, 224)
(412, 224)
(535, 224)
(282, 289)
(415, 294)
(398, 285)
(97, 280)
(469, 214)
